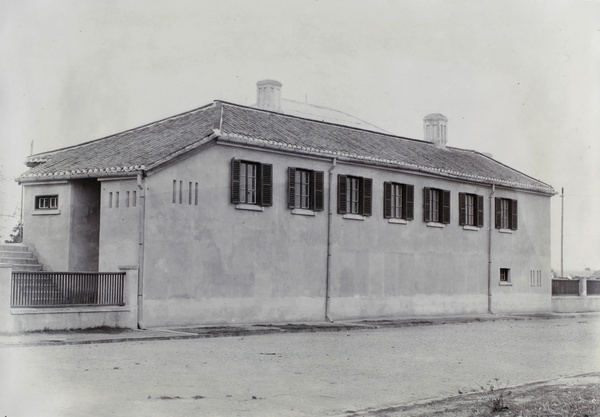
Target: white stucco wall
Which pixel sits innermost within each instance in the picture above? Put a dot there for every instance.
(47, 232)
(119, 224)
(213, 263)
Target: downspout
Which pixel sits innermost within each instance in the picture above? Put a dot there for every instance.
(142, 223)
(329, 217)
(490, 250)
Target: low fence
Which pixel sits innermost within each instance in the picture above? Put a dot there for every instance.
(565, 286)
(575, 295)
(33, 301)
(593, 287)
(577, 286)
(59, 289)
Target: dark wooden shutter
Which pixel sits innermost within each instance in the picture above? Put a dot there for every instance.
(266, 185)
(462, 209)
(367, 196)
(342, 190)
(498, 211)
(513, 213)
(426, 204)
(235, 182)
(387, 200)
(291, 187)
(319, 190)
(409, 199)
(479, 211)
(445, 194)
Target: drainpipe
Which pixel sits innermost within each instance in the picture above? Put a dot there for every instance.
(490, 217)
(142, 222)
(329, 217)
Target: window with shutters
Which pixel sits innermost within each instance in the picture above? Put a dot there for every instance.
(470, 210)
(355, 195)
(506, 214)
(398, 201)
(436, 206)
(305, 189)
(251, 183)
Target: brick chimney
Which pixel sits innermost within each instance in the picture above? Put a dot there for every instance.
(435, 127)
(268, 95)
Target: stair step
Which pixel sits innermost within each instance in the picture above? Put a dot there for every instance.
(30, 267)
(14, 247)
(15, 254)
(18, 261)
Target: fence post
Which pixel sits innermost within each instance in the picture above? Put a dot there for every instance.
(582, 287)
(130, 293)
(6, 320)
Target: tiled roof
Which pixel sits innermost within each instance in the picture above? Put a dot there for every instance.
(149, 146)
(131, 151)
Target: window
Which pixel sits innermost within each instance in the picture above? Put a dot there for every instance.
(355, 195)
(251, 183)
(535, 278)
(46, 202)
(506, 213)
(504, 275)
(398, 201)
(305, 189)
(470, 210)
(436, 205)
(178, 194)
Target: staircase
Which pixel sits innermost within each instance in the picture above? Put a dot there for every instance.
(19, 257)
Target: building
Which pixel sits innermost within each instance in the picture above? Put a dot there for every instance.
(243, 214)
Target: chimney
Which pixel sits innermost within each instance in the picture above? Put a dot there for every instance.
(435, 129)
(268, 95)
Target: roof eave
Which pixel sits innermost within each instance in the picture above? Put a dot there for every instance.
(355, 158)
(79, 174)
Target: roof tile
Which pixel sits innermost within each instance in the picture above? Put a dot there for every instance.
(151, 145)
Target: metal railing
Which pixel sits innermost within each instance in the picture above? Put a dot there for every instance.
(565, 286)
(59, 289)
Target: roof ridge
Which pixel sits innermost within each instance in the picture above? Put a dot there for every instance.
(335, 110)
(42, 154)
(322, 122)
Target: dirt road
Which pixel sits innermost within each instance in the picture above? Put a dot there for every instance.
(303, 374)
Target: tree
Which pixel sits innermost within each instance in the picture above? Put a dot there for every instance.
(17, 235)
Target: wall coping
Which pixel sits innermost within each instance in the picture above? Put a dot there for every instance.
(128, 267)
(68, 310)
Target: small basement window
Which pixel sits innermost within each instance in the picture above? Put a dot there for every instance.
(46, 202)
(504, 275)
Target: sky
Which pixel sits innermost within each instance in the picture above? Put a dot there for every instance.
(517, 79)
